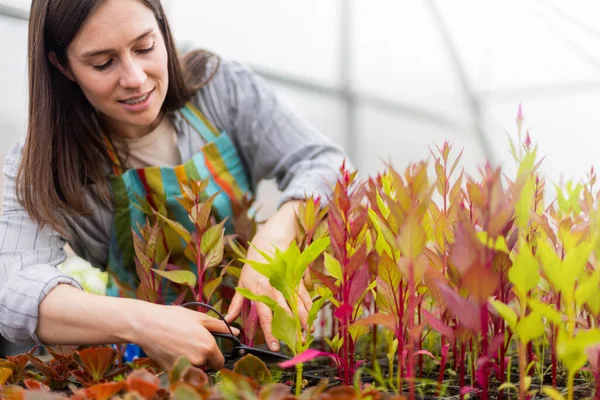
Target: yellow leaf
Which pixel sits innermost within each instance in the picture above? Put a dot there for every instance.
(552, 393)
(5, 374)
(181, 277)
(508, 385)
(551, 265)
(333, 266)
(587, 291)
(524, 273)
(507, 313)
(412, 238)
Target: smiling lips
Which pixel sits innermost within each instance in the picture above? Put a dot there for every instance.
(137, 100)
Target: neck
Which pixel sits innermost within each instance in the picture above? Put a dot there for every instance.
(130, 131)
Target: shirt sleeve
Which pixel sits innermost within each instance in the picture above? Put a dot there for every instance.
(274, 142)
(28, 262)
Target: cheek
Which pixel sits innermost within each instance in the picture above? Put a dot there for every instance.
(161, 65)
(96, 88)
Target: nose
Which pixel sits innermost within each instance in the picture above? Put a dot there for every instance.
(132, 74)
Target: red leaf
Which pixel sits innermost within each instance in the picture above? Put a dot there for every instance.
(387, 320)
(468, 313)
(143, 382)
(325, 280)
(358, 223)
(46, 370)
(343, 313)
(466, 390)
(438, 325)
(33, 385)
(480, 282)
(426, 353)
(358, 285)
(308, 355)
(96, 361)
(467, 251)
(250, 321)
(83, 377)
(357, 261)
(105, 391)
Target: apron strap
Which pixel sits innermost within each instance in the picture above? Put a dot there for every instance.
(114, 157)
(198, 121)
(208, 132)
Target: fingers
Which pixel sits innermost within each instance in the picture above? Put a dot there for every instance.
(281, 301)
(235, 308)
(265, 316)
(216, 325)
(215, 359)
(304, 306)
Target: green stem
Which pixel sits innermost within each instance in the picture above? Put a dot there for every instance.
(299, 379)
(570, 383)
(522, 368)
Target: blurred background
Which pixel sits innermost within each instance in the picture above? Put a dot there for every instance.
(387, 79)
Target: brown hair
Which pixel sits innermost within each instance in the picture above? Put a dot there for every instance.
(64, 152)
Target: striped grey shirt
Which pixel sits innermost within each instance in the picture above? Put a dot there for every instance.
(274, 143)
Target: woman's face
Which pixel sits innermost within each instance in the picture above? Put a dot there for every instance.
(119, 59)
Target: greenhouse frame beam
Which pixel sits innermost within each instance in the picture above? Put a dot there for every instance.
(13, 12)
(381, 103)
(582, 25)
(538, 91)
(472, 98)
(585, 55)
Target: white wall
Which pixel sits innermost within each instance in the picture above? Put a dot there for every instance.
(13, 84)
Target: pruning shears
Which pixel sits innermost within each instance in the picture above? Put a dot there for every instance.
(238, 349)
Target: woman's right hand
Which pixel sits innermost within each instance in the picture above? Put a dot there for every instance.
(167, 332)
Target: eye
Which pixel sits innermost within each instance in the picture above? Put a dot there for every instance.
(146, 51)
(103, 66)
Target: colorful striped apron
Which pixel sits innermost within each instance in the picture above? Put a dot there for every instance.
(218, 161)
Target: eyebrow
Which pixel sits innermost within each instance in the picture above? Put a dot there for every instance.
(93, 53)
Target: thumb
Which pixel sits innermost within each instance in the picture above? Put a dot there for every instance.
(235, 308)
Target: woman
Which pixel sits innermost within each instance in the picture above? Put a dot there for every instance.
(108, 100)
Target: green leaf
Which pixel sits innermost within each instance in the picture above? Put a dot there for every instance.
(181, 364)
(551, 265)
(381, 244)
(284, 328)
(269, 302)
(523, 206)
(524, 273)
(507, 313)
(210, 287)
(333, 267)
(587, 291)
(530, 327)
(571, 351)
(545, 310)
(313, 251)
(211, 237)
(252, 367)
(575, 261)
(215, 254)
(181, 277)
(316, 307)
(177, 227)
(262, 268)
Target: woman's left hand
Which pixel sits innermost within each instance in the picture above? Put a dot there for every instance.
(278, 231)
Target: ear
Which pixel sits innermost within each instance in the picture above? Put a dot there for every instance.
(64, 70)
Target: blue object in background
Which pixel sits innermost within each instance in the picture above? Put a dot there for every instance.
(132, 352)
